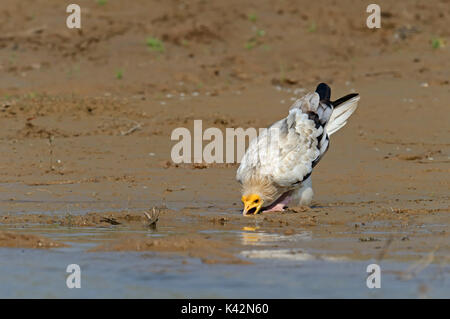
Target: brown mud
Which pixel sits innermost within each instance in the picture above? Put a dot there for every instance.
(86, 118)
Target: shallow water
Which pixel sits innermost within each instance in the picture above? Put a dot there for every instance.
(27, 273)
(280, 268)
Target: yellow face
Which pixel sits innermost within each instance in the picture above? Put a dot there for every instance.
(252, 204)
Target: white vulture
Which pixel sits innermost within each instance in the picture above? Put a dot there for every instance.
(276, 169)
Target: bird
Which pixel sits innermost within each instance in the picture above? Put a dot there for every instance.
(275, 171)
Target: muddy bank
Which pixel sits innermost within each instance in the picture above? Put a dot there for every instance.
(18, 240)
(86, 119)
(205, 248)
(350, 232)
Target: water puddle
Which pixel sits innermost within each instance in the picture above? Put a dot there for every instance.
(274, 273)
(277, 264)
(261, 238)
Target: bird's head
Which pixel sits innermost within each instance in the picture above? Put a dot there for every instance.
(252, 204)
(257, 192)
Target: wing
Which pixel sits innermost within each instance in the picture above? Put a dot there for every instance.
(285, 152)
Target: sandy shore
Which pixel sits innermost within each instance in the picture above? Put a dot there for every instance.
(86, 119)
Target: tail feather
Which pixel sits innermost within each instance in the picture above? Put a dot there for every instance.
(324, 92)
(330, 115)
(344, 107)
(343, 99)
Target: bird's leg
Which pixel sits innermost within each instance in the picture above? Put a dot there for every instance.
(277, 208)
(304, 195)
(280, 203)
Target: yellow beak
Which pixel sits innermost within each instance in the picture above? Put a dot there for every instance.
(252, 204)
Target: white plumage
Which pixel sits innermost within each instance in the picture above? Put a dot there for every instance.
(275, 170)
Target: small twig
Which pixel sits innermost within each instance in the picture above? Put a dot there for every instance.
(23, 34)
(112, 221)
(385, 248)
(153, 218)
(138, 126)
(50, 143)
(416, 268)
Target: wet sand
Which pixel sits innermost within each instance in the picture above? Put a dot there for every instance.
(86, 119)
